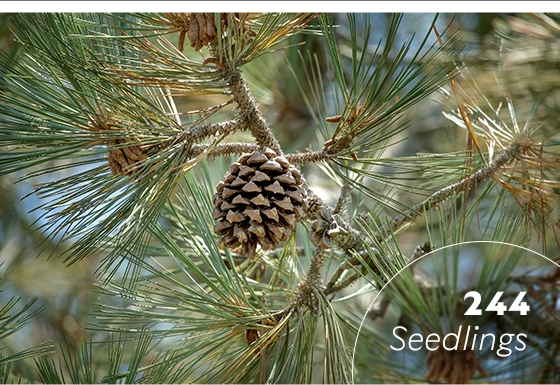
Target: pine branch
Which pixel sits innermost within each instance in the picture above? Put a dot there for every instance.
(251, 114)
(197, 134)
(354, 240)
(310, 157)
(479, 177)
(308, 290)
(224, 149)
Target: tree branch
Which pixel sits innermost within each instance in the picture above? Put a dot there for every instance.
(224, 149)
(482, 175)
(199, 133)
(309, 157)
(251, 115)
(355, 239)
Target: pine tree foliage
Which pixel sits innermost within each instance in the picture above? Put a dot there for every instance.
(94, 108)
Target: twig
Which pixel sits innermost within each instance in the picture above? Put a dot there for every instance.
(482, 175)
(333, 286)
(199, 133)
(307, 291)
(343, 202)
(478, 177)
(196, 134)
(223, 149)
(309, 157)
(251, 115)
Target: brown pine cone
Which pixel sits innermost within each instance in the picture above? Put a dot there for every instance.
(258, 202)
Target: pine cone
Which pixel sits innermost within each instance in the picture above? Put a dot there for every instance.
(259, 201)
(452, 366)
(324, 229)
(201, 28)
(121, 158)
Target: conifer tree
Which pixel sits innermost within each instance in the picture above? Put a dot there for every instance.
(188, 154)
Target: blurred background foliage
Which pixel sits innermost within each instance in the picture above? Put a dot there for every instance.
(517, 55)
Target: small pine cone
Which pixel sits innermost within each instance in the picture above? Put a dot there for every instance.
(259, 201)
(120, 159)
(452, 366)
(202, 30)
(251, 335)
(324, 229)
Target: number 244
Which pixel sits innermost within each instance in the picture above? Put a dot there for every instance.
(496, 305)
